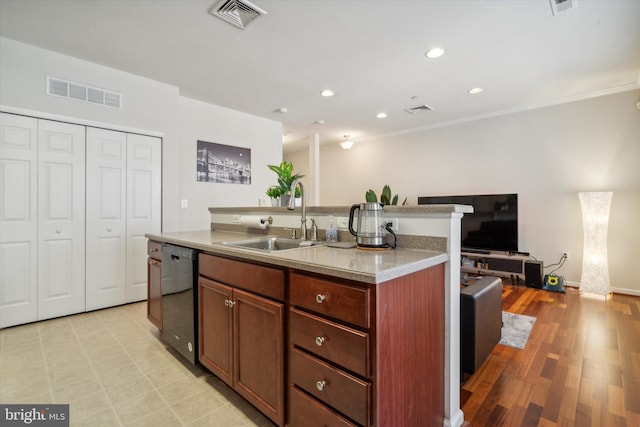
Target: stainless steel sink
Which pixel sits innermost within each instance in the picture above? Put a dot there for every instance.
(269, 244)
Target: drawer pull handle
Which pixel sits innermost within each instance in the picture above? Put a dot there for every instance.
(320, 298)
(320, 385)
(58, 231)
(320, 341)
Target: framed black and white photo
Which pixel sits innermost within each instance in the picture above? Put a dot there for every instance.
(223, 163)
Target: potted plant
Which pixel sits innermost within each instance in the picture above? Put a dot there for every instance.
(385, 197)
(274, 194)
(285, 179)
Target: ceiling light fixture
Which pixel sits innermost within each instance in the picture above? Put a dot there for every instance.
(282, 110)
(347, 143)
(319, 122)
(436, 52)
(475, 90)
(327, 92)
(381, 115)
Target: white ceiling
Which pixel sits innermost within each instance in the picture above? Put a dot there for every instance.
(371, 53)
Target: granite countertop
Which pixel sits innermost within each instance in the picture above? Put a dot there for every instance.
(354, 264)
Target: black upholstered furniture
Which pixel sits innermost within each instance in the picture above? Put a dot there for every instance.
(480, 321)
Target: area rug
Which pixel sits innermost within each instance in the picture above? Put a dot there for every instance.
(516, 329)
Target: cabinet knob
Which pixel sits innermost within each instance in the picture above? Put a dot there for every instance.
(320, 298)
(320, 385)
(320, 341)
(58, 231)
(109, 229)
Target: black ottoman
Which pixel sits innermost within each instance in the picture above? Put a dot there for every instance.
(480, 321)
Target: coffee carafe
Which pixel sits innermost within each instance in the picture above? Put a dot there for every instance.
(372, 228)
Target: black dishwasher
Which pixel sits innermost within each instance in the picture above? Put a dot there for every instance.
(179, 299)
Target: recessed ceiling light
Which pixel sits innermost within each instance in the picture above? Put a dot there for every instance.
(381, 115)
(282, 110)
(327, 92)
(436, 52)
(319, 122)
(475, 90)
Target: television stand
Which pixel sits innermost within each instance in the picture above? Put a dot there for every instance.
(492, 263)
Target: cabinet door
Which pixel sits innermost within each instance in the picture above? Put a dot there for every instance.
(144, 188)
(61, 219)
(154, 292)
(215, 333)
(259, 360)
(106, 217)
(18, 220)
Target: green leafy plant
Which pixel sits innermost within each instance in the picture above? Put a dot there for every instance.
(273, 192)
(385, 197)
(285, 177)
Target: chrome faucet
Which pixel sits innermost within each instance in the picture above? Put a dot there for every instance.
(292, 205)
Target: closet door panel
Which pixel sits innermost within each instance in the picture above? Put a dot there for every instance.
(18, 220)
(106, 217)
(61, 219)
(144, 163)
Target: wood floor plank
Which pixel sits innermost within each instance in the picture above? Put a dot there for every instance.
(580, 367)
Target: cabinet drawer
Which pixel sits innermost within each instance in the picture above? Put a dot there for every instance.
(154, 250)
(340, 301)
(344, 346)
(255, 278)
(305, 411)
(341, 391)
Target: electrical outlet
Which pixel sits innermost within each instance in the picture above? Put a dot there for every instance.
(566, 255)
(342, 222)
(184, 203)
(394, 223)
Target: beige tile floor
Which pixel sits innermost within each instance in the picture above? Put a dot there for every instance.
(111, 367)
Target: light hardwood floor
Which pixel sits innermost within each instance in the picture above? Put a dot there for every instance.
(580, 367)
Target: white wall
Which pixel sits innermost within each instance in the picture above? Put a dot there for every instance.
(546, 156)
(153, 106)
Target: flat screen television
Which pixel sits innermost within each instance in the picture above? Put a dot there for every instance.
(493, 225)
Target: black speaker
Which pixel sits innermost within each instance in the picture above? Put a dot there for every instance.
(533, 274)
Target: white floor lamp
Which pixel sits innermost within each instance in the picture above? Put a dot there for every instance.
(595, 222)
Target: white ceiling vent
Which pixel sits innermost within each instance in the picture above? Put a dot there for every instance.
(419, 109)
(236, 12)
(559, 6)
(83, 93)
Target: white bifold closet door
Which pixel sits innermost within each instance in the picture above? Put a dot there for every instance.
(106, 217)
(123, 203)
(18, 220)
(42, 186)
(61, 219)
(144, 208)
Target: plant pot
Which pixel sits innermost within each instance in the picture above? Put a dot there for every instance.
(275, 202)
(298, 202)
(284, 200)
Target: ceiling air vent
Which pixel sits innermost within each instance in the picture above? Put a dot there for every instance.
(83, 93)
(559, 6)
(419, 109)
(236, 12)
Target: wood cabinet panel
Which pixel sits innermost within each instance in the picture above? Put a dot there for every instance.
(154, 289)
(258, 348)
(254, 278)
(338, 389)
(342, 345)
(215, 328)
(308, 412)
(154, 250)
(337, 300)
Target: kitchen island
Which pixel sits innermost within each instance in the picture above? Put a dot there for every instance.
(347, 336)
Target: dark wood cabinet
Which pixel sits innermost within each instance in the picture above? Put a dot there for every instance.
(364, 354)
(241, 330)
(154, 287)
